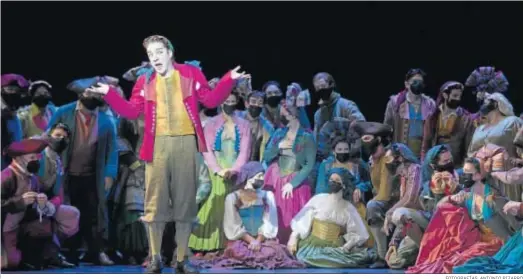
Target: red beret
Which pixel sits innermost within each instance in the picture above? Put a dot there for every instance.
(27, 146)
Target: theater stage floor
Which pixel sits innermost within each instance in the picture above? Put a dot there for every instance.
(122, 269)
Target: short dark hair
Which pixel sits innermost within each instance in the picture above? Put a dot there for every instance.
(256, 93)
(269, 83)
(413, 72)
(62, 126)
(475, 162)
(324, 75)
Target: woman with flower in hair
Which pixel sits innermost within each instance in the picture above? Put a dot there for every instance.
(485, 81)
(228, 142)
(500, 128)
(470, 223)
(251, 225)
(329, 232)
(290, 155)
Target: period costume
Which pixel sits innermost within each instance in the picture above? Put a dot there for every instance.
(408, 119)
(502, 134)
(292, 165)
(35, 117)
(89, 160)
(486, 80)
(126, 198)
(24, 226)
(507, 260)
(452, 127)
(402, 250)
(458, 233)
(225, 151)
(11, 126)
(329, 231)
(251, 212)
(172, 126)
(384, 196)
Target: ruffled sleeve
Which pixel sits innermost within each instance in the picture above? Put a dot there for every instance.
(357, 233)
(269, 229)
(301, 224)
(232, 222)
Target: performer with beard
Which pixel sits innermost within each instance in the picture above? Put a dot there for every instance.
(35, 117)
(12, 87)
(261, 128)
(90, 162)
(328, 231)
(466, 225)
(228, 136)
(408, 111)
(450, 124)
(168, 96)
(500, 129)
(251, 225)
(375, 139)
(485, 81)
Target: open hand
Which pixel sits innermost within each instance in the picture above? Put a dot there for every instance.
(286, 191)
(100, 88)
(235, 75)
(292, 247)
(512, 208)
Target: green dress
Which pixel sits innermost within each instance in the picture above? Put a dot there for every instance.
(209, 235)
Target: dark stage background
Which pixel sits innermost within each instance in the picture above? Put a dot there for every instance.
(367, 46)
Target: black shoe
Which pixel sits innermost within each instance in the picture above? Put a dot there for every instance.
(61, 262)
(185, 268)
(104, 260)
(379, 264)
(155, 266)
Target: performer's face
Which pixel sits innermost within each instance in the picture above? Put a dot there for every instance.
(160, 57)
(272, 90)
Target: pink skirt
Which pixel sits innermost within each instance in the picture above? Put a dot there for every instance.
(287, 208)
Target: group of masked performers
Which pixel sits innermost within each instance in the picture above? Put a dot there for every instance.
(432, 189)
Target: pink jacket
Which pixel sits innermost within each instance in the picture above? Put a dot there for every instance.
(143, 100)
(211, 128)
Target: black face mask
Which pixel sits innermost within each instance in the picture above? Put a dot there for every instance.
(210, 112)
(466, 180)
(258, 183)
(284, 121)
(393, 166)
(343, 157)
(487, 108)
(334, 187)
(371, 147)
(417, 87)
(13, 101)
(90, 103)
(41, 101)
(447, 167)
(274, 101)
(324, 93)
(254, 111)
(453, 103)
(33, 166)
(58, 145)
(229, 109)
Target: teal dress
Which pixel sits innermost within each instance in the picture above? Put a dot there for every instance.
(509, 260)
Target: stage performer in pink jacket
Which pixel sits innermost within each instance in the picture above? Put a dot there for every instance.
(168, 95)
